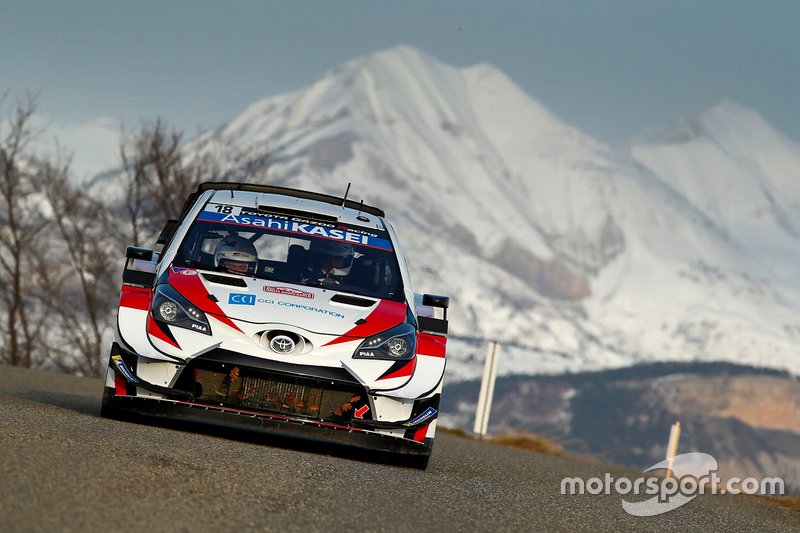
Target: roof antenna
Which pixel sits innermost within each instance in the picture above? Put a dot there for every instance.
(238, 186)
(344, 200)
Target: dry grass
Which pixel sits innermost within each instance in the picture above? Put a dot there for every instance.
(455, 432)
(523, 441)
(528, 441)
(792, 502)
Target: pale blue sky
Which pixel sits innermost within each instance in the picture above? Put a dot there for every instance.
(611, 68)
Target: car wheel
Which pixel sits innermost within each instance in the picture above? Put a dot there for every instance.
(419, 462)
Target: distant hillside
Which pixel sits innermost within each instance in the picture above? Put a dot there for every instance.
(749, 419)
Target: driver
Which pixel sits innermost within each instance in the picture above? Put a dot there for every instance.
(330, 259)
(236, 255)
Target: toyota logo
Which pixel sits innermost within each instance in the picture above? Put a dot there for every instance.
(282, 344)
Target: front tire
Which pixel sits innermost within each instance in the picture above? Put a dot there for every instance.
(109, 411)
(418, 462)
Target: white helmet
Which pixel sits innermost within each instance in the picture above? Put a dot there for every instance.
(332, 257)
(237, 255)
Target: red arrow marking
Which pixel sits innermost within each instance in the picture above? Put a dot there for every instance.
(361, 411)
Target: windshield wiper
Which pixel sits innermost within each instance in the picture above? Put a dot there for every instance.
(312, 283)
(205, 266)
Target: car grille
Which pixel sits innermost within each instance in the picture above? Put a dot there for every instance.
(254, 390)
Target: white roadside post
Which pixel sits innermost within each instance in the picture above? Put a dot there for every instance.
(487, 390)
(672, 445)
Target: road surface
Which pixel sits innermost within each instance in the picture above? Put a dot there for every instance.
(65, 468)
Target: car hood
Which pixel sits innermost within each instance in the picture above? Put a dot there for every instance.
(269, 302)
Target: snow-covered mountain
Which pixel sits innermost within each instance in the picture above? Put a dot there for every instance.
(576, 254)
(739, 171)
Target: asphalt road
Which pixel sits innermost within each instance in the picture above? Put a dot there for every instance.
(64, 468)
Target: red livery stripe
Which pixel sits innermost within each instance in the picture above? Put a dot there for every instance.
(119, 385)
(386, 315)
(155, 330)
(419, 435)
(400, 370)
(431, 345)
(135, 297)
(192, 288)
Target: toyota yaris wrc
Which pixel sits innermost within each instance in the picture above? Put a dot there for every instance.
(283, 310)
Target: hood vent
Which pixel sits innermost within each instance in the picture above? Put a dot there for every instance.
(225, 280)
(352, 300)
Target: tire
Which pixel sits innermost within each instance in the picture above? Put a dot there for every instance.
(418, 462)
(109, 411)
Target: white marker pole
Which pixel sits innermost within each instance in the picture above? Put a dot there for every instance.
(672, 445)
(487, 390)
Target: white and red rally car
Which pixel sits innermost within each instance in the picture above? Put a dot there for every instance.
(283, 310)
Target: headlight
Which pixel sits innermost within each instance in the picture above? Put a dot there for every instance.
(168, 310)
(396, 344)
(169, 307)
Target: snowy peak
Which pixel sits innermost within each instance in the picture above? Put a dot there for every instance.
(741, 173)
(404, 84)
(730, 135)
(400, 62)
(727, 117)
(729, 125)
(470, 136)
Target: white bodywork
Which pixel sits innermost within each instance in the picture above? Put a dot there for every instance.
(239, 316)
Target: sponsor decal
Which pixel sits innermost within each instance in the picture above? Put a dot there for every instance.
(361, 411)
(236, 298)
(123, 369)
(339, 233)
(202, 328)
(430, 412)
(224, 208)
(302, 220)
(289, 291)
(300, 306)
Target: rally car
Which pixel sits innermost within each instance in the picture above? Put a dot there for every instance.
(283, 310)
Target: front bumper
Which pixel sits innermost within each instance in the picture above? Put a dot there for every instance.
(229, 389)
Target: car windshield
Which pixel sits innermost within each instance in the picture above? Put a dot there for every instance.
(332, 256)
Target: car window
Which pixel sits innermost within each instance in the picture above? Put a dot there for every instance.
(311, 260)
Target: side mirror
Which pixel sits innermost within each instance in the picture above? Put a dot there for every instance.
(433, 300)
(140, 267)
(143, 254)
(432, 313)
(169, 230)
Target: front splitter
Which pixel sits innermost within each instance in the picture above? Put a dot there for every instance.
(219, 416)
